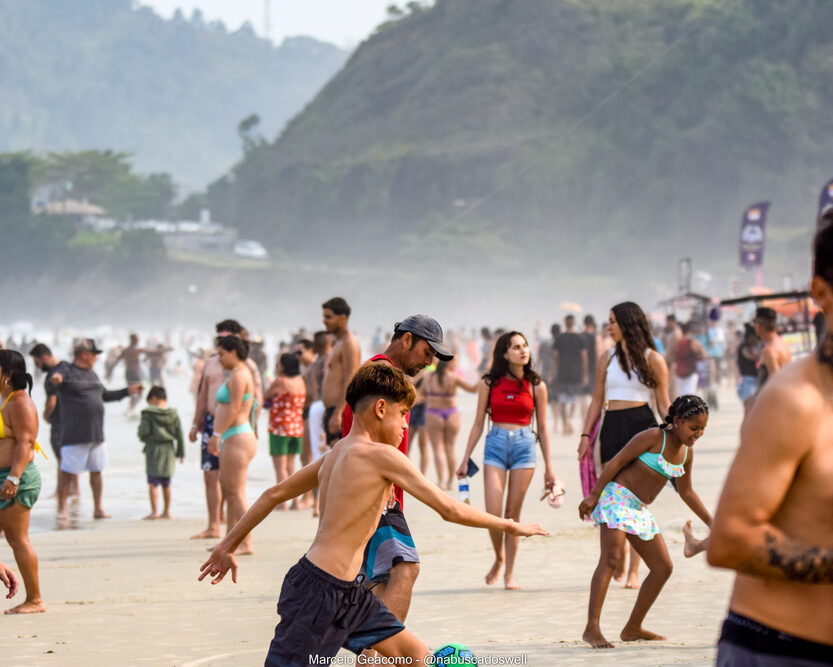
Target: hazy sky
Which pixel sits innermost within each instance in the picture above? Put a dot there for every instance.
(341, 22)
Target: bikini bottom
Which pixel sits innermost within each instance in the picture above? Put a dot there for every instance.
(444, 413)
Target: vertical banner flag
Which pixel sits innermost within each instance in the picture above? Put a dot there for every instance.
(752, 235)
(825, 199)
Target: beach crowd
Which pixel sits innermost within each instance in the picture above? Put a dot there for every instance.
(343, 415)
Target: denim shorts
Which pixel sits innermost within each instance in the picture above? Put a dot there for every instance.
(510, 450)
(747, 386)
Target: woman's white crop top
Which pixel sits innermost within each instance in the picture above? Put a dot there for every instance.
(619, 387)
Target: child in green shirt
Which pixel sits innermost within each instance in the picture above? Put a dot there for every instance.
(161, 431)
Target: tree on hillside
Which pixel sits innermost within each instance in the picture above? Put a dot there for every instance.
(106, 178)
(15, 214)
(247, 131)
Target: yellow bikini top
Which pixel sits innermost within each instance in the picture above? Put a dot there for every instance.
(38, 448)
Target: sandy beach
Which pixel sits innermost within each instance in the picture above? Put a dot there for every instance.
(125, 591)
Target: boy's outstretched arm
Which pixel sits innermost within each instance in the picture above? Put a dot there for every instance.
(398, 468)
(9, 580)
(222, 558)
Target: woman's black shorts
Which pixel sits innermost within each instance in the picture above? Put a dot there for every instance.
(620, 426)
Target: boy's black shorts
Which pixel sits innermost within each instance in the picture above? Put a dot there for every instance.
(321, 614)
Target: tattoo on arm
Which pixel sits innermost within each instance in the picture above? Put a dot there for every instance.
(799, 562)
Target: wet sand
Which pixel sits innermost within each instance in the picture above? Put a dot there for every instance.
(125, 592)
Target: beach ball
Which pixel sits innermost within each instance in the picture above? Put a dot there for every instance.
(454, 654)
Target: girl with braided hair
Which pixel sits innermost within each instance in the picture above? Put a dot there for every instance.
(618, 504)
(628, 378)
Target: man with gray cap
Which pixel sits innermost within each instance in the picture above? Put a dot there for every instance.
(82, 397)
(391, 562)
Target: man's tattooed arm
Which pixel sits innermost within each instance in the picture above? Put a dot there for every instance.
(798, 561)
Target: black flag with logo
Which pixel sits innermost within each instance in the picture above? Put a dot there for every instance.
(825, 201)
(752, 235)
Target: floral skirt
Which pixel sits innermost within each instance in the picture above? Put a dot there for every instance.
(620, 509)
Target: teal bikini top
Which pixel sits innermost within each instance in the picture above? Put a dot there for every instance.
(661, 465)
(223, 394)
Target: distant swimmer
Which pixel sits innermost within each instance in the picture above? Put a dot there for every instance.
(131, 356)
(157, 358)
(342, 362)
(774, 524)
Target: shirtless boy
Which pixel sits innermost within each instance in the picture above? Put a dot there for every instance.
(343, 361)
(776, 352)
(323, 604)
(773, 524)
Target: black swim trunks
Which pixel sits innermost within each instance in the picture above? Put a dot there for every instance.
(332, 436)
(747, 643)
(209, 461)
(321, 614)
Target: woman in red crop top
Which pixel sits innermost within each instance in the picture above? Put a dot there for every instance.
(511, 392)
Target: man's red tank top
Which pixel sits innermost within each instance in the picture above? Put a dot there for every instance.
(347, 423)
(511, 402)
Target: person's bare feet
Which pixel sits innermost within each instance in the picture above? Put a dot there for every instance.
(101, 514)
(633, 582)
(165, 515)
(634, 634)
(509, 583)
(33, 607)
(150, 517)
(207, 534)
(494, 573)
(693, 546)
(595, 638)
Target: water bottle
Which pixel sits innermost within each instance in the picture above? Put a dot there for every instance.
(463, 488)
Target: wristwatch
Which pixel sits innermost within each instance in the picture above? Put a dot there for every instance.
(14, 480)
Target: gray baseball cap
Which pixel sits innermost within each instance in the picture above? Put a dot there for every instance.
(429, 329)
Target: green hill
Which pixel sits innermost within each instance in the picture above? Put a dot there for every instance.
(102, 74)
(579, 132)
